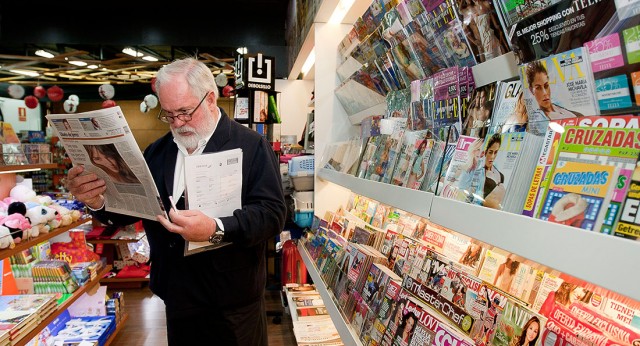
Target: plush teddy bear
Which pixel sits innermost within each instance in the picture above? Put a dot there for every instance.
(40, 216)
(6, 240)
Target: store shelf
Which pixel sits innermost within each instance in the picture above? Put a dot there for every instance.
(604, 260)
(5, 253)
(119, 326)
(379, 109)
(571, 250)
(413, 201)
(62, 307)
(117, 241)
(119, 280)
(23, 168)
(348, 335)
(499, 68)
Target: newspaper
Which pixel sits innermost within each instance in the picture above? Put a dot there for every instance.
(102, 141)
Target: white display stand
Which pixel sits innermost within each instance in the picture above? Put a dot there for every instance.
(606, 261)
(347, 334)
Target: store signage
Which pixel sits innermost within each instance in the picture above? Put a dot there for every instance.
(256, 71)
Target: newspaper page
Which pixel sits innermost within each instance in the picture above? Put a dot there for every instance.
(214, 187)
(102, 141)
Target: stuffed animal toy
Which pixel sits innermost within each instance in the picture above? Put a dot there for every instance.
(40, 217)
(16, 207)
(65, 215)
(22, 193)
(6, 240)
(17, 225)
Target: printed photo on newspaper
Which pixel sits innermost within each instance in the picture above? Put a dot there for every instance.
(102, 141)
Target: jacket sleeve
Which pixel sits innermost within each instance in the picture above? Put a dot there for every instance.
(263, 208)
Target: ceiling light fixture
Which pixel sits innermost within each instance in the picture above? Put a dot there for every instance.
(26, 73)
(21, 170)
(149, 58)
(43, 53)
(77, 63)
(132, 52)
(311, 59)
(242, 50)
(341, 10)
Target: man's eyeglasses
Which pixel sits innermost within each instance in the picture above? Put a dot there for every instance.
(169, 118)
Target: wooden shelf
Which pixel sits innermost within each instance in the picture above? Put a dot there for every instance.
(28, 167)
(62, 307)
(119, 326)
(118, 280)
(116, 241)
(5, 253)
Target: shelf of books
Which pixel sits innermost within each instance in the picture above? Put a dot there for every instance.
(6, 253)
(348, 335)
(55, 312)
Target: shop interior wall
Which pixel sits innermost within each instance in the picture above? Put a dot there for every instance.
(146, 128)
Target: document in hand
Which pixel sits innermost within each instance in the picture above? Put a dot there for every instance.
(102, 141)
(213, 185)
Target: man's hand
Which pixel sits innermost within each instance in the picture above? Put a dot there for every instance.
(192, 225)
(86, 188)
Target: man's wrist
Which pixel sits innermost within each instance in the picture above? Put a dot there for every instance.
(102, 203)
(218, 232)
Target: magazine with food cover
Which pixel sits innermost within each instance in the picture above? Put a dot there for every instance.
(90, 138)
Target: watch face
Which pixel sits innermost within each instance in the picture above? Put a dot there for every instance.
(215, 239)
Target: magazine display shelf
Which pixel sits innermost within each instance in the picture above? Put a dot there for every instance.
(6, 253)
(379, 109)
(499, 68)
(347, 334)
(62, 307)
(594, 257)
(413, 201)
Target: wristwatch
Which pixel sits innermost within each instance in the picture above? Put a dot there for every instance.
(217, 236)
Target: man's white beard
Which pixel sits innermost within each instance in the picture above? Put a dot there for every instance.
(191, 142)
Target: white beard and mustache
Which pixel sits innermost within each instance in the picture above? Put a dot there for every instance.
(191, 141)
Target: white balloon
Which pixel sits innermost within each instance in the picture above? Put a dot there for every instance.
(106, 91)
(69, 106)
(74, 98)
(16, 91)
(151, 101)
(143, 107)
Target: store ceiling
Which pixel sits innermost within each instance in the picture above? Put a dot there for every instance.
(96, 33)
